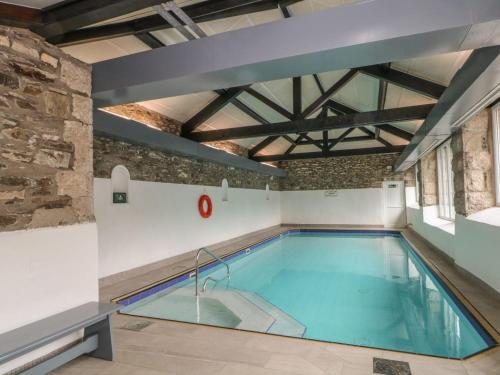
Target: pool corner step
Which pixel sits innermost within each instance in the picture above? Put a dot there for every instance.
(284, 324)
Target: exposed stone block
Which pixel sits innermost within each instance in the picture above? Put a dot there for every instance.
(52, 158)
(57, 105)
(9, 81)
(82, 109)
(29, 70)
(25, 49)
(76, 76)
(51, 60)
(12, 194)
(4, 41)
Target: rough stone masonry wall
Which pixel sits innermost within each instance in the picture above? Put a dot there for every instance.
(145, 164)
(428, 180)
(350, 172)
(473, 165)
(45, 134)
(161, 122)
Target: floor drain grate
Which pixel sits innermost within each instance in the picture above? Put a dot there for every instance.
(390, 367)
(137, 326)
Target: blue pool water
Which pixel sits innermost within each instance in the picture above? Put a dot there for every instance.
(367, 289)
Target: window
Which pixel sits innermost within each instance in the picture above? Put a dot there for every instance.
(496, 148)
(417, 184)
(445, 181)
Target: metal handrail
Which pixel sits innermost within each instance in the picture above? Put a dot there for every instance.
(203, 249)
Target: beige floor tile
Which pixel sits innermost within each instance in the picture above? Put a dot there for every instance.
(294, 364)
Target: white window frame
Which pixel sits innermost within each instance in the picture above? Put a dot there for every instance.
(417, 184)
(496, 149)
(445, 181)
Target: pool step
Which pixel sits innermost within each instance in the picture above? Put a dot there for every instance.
(284, 324)
(255, 313)
(251, 317)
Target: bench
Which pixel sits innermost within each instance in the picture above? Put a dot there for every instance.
(93, 317)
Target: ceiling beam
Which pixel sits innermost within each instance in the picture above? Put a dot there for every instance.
(297, 97)
(474, 87)
(63, 30)
(407, 81)
(111, 126)
(71, 15)
(382, 95)
(340, 108)
(271, 104)
(338, 153)
(18, 16)
(261, 145)
(346, 78)
(398, 132)
(375, 118)
(339, 139)
(360, 138)
(361, 34)
(212, 108)
(150, 40)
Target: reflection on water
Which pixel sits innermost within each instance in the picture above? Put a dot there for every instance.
(362, 290)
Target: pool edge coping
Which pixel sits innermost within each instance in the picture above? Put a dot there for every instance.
(449, 287)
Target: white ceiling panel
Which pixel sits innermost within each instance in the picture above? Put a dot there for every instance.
(437, 68)
(360, 93)
(106, 49)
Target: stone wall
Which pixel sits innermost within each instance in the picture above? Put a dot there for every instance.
(45, 134)
(147, 116)
(145, 164)
(473, 165)
(428, 180)
(166, 124)
(350, 172)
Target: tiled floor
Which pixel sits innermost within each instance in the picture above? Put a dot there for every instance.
(164, 347)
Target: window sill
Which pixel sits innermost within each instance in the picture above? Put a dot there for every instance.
(489, 216)
(444, 225)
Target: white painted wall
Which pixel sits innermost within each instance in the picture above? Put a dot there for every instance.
(44, 272)
(350, 206)
(474, 242)
(478, 248)
(162, 220)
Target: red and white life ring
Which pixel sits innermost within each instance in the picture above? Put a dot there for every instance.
(205, 206)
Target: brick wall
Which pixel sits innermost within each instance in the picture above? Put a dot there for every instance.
(145, 164)
(350, 172)
(45, 134)
(473, 165)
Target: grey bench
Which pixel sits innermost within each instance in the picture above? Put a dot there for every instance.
(93, 317)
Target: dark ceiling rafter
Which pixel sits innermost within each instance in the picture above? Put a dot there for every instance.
(346, 139)
(19, 16)
(153, 43)
(382, 96)
(405, 80)
(271, 104)
(150, 40)
(346, 78)
(372, 118)
(64, 28)
(340, 108)
(212, 108)
(338, 153)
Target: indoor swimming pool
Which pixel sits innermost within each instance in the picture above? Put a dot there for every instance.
(359, 288)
